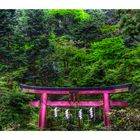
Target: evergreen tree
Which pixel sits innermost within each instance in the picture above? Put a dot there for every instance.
(130, 26)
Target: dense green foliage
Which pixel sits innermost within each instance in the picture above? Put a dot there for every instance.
(71, 48)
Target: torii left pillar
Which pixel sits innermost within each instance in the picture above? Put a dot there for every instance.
(106, 107)
(43, 111)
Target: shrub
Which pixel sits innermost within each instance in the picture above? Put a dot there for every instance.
(125, 119)
(14, 112)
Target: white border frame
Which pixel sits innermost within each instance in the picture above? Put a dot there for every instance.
(69, 4)
(76, 135)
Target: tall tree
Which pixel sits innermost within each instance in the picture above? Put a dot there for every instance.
(7, 23)
(36, 37)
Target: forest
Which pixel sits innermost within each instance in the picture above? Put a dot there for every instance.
(68, 48)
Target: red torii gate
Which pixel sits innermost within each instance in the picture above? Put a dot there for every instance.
(105, 102)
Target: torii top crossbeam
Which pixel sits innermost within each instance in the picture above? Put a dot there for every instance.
(81, 90)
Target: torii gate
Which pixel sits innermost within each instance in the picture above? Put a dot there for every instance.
(74, 93)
